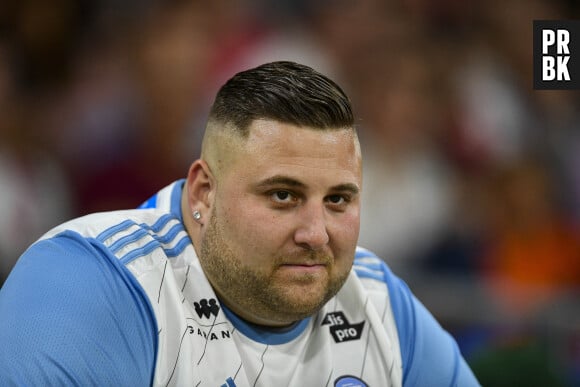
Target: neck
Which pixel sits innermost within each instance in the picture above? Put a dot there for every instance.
(269, 327)
(249, 318)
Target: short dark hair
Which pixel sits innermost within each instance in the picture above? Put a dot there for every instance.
(283, 91)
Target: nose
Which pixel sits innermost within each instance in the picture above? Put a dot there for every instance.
(312, 233)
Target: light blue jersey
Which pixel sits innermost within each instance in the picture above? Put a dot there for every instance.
(120, 299)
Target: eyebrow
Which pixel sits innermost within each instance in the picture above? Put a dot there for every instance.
(346, 187)
(291, 182)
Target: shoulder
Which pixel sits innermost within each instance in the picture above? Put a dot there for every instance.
(127, 234)
(102, 225)
(429, 353)
(69, 308)
(375, 275)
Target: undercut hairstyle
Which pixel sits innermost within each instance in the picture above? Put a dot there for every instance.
(282, 91)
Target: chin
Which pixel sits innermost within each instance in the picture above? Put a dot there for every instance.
(304, 301)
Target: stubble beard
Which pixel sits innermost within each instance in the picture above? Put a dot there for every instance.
(262, 293)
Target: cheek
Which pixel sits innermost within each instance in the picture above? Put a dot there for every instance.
(346, 228)
(267, 231)
(248, 226)
(344, 239)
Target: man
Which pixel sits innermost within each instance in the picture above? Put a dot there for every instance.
(240, 275)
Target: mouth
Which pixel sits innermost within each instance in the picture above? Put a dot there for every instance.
(306, 267)
(305, 263)
(313, 264)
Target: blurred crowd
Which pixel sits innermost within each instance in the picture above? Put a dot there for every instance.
(471, 178)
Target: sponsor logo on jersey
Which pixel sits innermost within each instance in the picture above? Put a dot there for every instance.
(341, 329)
(349, 381)
(210, 335)
(205, 308)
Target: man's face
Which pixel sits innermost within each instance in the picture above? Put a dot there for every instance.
(284, 224)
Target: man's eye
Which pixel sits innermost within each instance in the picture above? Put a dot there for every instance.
(336, 199)
(282, 197)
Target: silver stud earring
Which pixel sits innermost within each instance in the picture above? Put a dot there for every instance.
(196, 215)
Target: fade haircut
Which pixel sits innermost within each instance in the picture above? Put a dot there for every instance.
(282, 91)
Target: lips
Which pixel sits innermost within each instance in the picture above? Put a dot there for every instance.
(310, 258)
(306, 264)
(304, 267)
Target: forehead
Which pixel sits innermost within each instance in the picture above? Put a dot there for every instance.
(278, 148)
(292, 139)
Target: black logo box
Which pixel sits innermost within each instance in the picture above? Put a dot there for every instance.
(573, 28)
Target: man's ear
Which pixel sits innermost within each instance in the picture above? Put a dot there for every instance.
(200, 186)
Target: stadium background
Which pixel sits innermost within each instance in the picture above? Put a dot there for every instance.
(472, 178)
